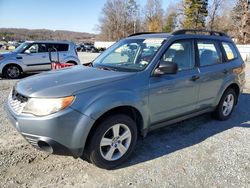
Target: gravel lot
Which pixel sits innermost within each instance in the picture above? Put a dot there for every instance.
(200, 152)
(87, 57)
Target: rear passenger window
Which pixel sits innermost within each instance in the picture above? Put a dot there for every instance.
(42, 48)
(181, 53)
(58, 47)
(62, 47)
(229, 50)
(209, 53)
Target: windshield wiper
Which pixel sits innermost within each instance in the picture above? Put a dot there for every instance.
(89, 64)
(104, 67)
(108, 68)
(123, 64)
(116, 68)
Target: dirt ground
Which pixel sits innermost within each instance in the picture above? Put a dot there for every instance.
(200, 152)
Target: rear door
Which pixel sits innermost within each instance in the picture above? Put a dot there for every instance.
(174, 95)
(212, 72)
(62, 50)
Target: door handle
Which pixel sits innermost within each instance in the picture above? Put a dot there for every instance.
(44, 56)
(195, 77)
(19, 57)
(225, 71)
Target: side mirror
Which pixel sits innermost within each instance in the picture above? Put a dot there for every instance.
(27, 51)
(166, 67)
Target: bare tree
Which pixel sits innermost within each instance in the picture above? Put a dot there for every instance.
(241, 18)
(213, 12)
(154, 15)
(119, 19)
(133, 12)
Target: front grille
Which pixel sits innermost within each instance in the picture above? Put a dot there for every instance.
(17, 101)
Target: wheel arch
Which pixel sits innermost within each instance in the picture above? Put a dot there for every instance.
(126, 110)
(72, 61)
(233, 86)
(71, 58)
(8, 64)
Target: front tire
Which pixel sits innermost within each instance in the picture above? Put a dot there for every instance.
(12, 71)
(113, 141)
(226, 105)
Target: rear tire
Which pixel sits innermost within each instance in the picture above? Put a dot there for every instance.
(12, 71)
(112, 142)
(226, 105)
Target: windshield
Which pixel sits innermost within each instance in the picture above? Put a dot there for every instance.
(21, 47)
(129, 54)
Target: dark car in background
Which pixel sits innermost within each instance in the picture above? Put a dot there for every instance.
(87, 47)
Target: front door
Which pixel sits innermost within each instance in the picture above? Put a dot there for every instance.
(173, 95)
(36, 57)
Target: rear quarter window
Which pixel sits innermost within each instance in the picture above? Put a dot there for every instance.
(230, 51)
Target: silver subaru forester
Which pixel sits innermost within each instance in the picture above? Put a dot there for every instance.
(141, 83)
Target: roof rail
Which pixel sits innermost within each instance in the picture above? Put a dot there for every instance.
(143, 33)
(198, 31)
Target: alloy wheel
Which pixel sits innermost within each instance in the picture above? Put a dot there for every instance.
(228, 104)
(13, 72)
(115, 142)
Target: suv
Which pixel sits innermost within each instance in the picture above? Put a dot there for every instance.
(141, 83)
(34, 56)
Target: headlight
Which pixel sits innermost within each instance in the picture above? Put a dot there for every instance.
(46, 106)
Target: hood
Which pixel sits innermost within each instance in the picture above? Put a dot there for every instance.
(65, 82)
(8, 54)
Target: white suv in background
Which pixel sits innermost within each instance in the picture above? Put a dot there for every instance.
(33, 56)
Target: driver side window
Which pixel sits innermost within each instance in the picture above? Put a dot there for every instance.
(33, 48)
(181, 53)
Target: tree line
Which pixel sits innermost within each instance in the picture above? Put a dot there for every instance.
(10, 34)
(121, 18)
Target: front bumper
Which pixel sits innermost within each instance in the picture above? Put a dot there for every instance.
(62, 133)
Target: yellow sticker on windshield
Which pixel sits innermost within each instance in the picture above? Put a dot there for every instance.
(153, 41)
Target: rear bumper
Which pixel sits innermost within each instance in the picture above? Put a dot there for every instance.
(62, 133)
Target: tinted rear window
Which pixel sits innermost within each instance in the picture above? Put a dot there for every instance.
(59, 47)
